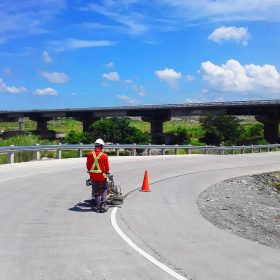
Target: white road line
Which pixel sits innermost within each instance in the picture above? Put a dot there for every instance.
(142, 252)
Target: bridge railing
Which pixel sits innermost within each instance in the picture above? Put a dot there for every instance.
(134, 149)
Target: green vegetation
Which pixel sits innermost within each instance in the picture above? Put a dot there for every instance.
(114, 130)
(61, 125)
(220, 129)
(24, 140)
(188, 132)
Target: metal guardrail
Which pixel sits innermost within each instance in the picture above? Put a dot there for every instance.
(37, 149)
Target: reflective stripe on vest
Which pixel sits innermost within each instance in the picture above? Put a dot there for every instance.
(96, 164)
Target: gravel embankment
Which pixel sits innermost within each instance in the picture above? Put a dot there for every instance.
(248, 206)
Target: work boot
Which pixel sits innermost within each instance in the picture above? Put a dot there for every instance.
(103, 207)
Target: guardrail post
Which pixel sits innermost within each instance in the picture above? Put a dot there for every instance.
(221, 152)
(176, 150)
(134, 150)
(149, 150)
(252, 150)
(80, 151)
(11, 155)
(163, 150)
(118, 150)
(38, 153)
(58, 152)
(205, 151)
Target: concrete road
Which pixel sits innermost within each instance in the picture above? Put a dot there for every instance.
(48, 230)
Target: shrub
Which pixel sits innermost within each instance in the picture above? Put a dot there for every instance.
(182, 135)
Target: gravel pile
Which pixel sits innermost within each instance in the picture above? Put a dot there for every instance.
(248, 206)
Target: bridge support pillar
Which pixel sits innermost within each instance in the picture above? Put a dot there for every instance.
(156, 119)
(271, 128)
(42, 127)
(87, 120)
(21, 124)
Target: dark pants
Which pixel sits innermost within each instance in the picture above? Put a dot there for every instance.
(99, 191)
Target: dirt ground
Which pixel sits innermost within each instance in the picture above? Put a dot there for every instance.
(248, 206)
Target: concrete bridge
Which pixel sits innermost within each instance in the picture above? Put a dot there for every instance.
(265, 111)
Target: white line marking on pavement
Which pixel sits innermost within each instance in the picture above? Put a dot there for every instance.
(140, 251)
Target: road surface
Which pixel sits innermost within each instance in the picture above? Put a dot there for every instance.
(48, 230)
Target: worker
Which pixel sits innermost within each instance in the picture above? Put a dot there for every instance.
(98, 168)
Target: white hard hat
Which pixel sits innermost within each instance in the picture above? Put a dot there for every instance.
(99, 141)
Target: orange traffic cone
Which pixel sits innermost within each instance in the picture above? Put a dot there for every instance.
(145, 185)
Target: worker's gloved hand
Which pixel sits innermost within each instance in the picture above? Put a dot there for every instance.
(107, 177)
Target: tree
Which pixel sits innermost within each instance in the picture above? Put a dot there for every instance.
(118, 130)
(220, 128)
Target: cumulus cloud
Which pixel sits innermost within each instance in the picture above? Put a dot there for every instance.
(127, 99)
(45, 91)
(55, 77)
(46, 57)
(234, 77)
(169, 75)
(230, 33)
(11, 89)
(111, 76)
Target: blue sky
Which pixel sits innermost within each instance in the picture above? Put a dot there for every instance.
(61, 54)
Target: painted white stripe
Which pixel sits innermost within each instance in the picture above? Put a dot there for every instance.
(142, 252)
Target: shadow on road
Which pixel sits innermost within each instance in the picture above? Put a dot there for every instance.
(86, 206)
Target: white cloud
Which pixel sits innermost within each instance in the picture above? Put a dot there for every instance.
(230, 33)
(234, 77)
(111, 76)
(219, 99)
(169, 75)
(190, 78)
(140, 90)
(22, 18)
(222, 10)
(127, 19)
(190, 100)
(55, 77)
(127, 99)
(46, 57)
(11, 89)
(110, 64)
(139, 17)
(80, 44)
(45, 91)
